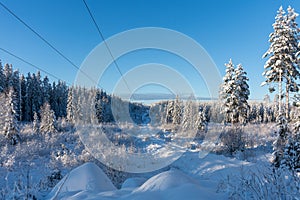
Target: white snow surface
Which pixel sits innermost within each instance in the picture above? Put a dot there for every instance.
(87, 177)
(189, 178)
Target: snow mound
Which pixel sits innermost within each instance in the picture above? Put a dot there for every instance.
(87, 177)
(133, 182)
(174, 185)
(166, 180)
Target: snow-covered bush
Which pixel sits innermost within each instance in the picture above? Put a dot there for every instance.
(232, 140)
(263, 183)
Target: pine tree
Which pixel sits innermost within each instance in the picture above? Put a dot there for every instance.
(11, 127)
(27, 99)
(23, 97)
(227, 91)
(70, 106)
(2, 78)
(17, 93)
(242, 92)
(283, 63)
(282, 67)
(59, 98)
(36, 92)
(293, 62)
(170, 112)
(35, 123)
(47, 124)
(99, 106)
(281, 141)
(235, 93)
(46, 90)
(291, 154)
(8, 75)
(201, 122)
(92, 102)
(177, 112)
(3, 110)
(189, 115)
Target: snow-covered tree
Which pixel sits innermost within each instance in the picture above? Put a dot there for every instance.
(281, 141)
(282, 66)
(201, 122)
(35, 123)
(59, 98)
(3, 110)
(177, 112)
(293, 54)
(227, 91)
(92, 102)
(70, 106)
(189, 115)
(242, 93)
(11, 126)
(170, 112)
(235, 93)
(291, 154)
(46, 90)
(2, 78)
(99, 106)
(8, 74)
(47, 124)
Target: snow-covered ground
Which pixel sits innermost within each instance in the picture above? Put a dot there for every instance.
(188, 178)
(213, 177)
(58, 166)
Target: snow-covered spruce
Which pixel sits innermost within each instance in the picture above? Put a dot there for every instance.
(47, 124)
(235, 93)
(242, 93)
(10, 126)
(227, 91)
(177, 111)
(282, 66)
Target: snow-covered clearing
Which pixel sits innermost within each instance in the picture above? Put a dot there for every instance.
(58, 166)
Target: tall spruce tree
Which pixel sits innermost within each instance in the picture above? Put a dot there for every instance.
(227, 92)
(282, 66)
(242, 92)
(235, 93)
(70, 106)
(11, 125)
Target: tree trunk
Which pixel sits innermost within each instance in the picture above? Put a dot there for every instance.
(280, 93)
(287, 103)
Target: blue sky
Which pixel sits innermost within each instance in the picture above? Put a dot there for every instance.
(236, 29)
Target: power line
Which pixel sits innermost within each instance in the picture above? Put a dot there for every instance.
(45, 41)
(105, 43)
(29, 63)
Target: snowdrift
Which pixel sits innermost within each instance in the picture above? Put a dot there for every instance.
(87, 177)
(166, 180)
(190, 178)
(132, 183)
